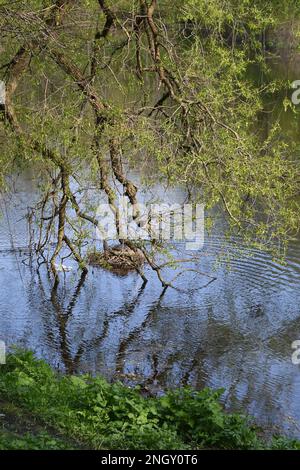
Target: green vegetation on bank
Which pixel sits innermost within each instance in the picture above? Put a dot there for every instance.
(96, 414)
(21, 430)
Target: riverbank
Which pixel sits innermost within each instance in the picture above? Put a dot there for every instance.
(43, 410)
(21, 430)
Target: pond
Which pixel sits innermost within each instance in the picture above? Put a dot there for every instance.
(235, 332)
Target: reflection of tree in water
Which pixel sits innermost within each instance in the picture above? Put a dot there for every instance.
(63, 315)
(134, 335)
(215, 356)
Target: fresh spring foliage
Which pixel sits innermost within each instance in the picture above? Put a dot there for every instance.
(102, 415)
(42, 441)
(181, 88)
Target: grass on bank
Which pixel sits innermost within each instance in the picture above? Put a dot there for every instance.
(85, 412)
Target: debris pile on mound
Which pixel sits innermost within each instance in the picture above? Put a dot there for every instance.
(120, 259)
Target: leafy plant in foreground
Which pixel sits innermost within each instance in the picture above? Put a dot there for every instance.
(104, 415)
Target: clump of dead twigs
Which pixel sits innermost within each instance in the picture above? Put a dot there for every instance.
(120, 259)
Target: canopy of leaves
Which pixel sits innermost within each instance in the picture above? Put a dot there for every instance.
(165, 82)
